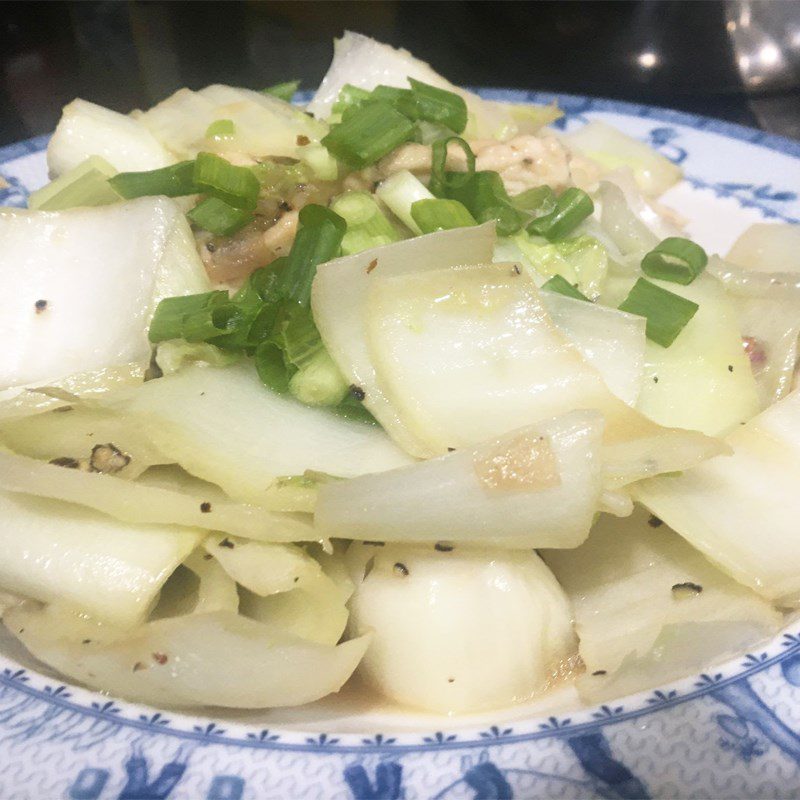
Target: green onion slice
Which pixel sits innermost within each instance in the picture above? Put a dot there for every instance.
(349, 96)
(174, 181)
(318, 239)
(283, 91)
(431, 104)
(220, 129)
(676, 259)
(237, 186)
(540, 200)
(218, 217)
(572, 208)
(271, 367)
(560, 285)
(667, 313)
(172, 312)
(485, 197)
(440, 215)
(442, 181)
(367, 133)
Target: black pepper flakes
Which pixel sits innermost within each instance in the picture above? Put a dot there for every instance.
(515, 270)
(40, 306)
(655, 378)
(451, 449)
(226, 542)
(599, 672)
(686, 589)
(86, 641)
(654, 522)
(730, 367)
(205, 507)
(138, 666)
(284, 206)
(302, 140)
(400, 569)
(160, 658)
(371, 266)
(357, 392)
(443, 547)
(66, 461)
(108, 458)
(451, 680)
(211, 247)
(207, 557)
(296, 578)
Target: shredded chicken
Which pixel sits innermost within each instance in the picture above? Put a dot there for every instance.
(523, 162)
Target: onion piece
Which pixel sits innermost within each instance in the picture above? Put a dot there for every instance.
(216, 590)
(536, 487)
(633, 577)
(741, 511)
(132, 502)
(462, 630)
(339, 297)
(81, 285)
(111, 570)
(217, 659)
(224, 426)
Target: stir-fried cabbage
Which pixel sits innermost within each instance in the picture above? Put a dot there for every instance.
(536, 487)
(768, 247)
(222, 425)
(81, 285)
(86, 129)
(59, 552)
(131, 501)
(216, 659)
(631, 579)
(365, 63)
(459, 629)
(741, 511)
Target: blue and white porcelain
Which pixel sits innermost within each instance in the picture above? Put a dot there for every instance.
(733, 731)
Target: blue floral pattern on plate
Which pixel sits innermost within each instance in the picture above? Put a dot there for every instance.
(732, 731)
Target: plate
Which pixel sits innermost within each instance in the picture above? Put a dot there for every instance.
(731, 731)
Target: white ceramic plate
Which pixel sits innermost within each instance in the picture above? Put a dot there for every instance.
(733, 731)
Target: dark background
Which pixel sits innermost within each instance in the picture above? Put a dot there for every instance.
(132, 54)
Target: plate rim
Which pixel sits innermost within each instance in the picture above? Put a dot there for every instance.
(784, 644)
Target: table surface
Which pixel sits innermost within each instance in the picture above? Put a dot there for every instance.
(132, 54)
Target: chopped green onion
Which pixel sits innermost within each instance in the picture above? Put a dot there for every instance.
(318, 239)
(172, 312)
(486, 199)
(271, 367)
(431, 104)
(390, 94)
(399, 193)
(367, 226)
(318, 382)
(174, 181)
(676, 259)
(84, 185)
(367, 133)
(221, 129)
(667, 314)
(283, 91)
(540, 199)
(561, 285)
(572, 208)
(348, 97)
(440, 215)
(237, 186)
(298, 337)
(219, 217)
(441, 181)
